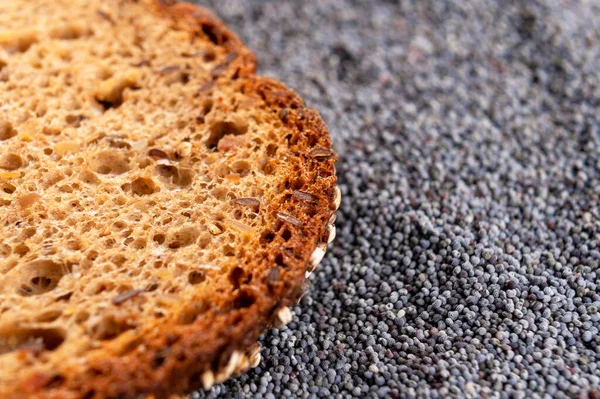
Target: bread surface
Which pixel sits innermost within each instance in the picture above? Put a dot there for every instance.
(160, 205)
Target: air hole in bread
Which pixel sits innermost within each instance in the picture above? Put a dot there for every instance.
(286, 234)
(29, 232)
(74, 120)
(244, 299)
(74, 244)
(214, 33)
(272, 149)
(8, 188)
(159, 358)
(88, 177)
(92, 255)
(237, 277)
(242, 168)
(11, 162)
(158, 264)
(7, 130)
(28, 200)
(183, 237)
(81, 316)
(222, 170)
(69, 31)
(119, 200)
(267, 237)
(159, 238)
(267, 168)
(5, 250)
(279, 260)
(143, 186)
(118, 260)
(220, 193)
(220, 129)
(109, 327)
(64, 297)
(207, 106)
(292, 139)
(237, 319)
(39, 277)
(228, 251)
(106, 162)
(139, 243)
(209, 55)
(96, 287)
(295, 183)
(49, 316)
(313, 139)
(196, 277)
(65, 188)
(204, 240)
(38, 339)
(21, 250)
(51, 179)
(116, 141)
(190, 313)
(55, 382)
(90, 393)
(17, 41)
(179, 176)
(75, 206)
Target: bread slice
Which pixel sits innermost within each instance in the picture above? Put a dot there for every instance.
(160, 205)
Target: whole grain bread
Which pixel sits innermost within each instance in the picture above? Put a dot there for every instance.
(160, 205)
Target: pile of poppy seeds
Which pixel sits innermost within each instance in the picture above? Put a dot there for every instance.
(466, 262)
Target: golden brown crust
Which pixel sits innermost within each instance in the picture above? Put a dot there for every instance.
(175, 358)
(200, 20)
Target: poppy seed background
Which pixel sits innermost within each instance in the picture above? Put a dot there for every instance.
(466, 263)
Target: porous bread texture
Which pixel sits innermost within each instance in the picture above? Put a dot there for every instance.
(159, 204)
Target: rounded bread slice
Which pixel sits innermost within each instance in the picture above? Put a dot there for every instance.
(160, 205)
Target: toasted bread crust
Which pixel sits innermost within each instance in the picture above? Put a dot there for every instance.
(198, 19)
(182, 358)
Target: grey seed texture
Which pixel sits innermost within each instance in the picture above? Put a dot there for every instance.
(466, 262)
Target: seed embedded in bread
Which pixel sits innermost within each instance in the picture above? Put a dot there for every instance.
(154, 223)
(288, 218)
(125, 296)
(306, 197)
(251, 202)
(321, 153)
(158, 154)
